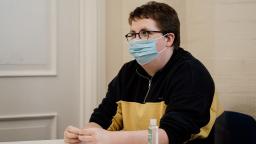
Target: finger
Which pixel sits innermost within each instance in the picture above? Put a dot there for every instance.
(70, 135)
(87, 132)
(73, 129)
(86, 138)
(72, 141)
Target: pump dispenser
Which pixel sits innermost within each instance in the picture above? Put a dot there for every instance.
(153, 132)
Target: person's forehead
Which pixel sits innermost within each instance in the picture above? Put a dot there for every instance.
(143, 24)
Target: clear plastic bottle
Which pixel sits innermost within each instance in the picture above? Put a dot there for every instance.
(153, 132)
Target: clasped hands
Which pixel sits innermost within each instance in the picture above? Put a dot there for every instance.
(73, 135)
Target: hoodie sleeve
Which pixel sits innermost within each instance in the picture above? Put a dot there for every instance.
(107, 109)
(103, 114)
(189, 102)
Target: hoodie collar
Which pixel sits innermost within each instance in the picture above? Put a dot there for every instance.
(141, 71)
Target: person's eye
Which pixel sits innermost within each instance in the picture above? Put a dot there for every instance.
(144, 33)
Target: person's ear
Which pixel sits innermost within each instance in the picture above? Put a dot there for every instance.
(170, 39)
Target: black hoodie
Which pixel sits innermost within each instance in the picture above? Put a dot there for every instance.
(180, 96)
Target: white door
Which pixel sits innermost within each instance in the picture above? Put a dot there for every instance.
(39, 68)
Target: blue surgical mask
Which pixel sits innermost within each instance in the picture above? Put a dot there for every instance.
(144, 51)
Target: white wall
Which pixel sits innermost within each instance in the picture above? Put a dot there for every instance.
(36, 95)
(220, 33)
(41, 105)
(37, 101)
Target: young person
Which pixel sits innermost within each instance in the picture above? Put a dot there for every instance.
(163, 82)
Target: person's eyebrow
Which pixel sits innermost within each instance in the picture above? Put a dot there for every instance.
(143, 29)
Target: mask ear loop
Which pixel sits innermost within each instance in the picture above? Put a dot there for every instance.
(167, 34)
(163, 50)
(165, 43)
(172, 35)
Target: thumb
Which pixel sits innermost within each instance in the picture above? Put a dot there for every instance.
(73, 129)
(88, 132)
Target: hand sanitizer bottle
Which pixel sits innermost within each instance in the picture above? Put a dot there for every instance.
(153, 132)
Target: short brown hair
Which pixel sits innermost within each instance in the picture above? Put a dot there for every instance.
(164, 15)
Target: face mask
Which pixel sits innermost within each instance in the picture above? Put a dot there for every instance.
(144, 51)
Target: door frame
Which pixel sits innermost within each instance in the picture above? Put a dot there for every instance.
(92, 56)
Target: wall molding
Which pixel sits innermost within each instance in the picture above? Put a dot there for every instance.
(46, 69)
(29, 122)
(92, 56)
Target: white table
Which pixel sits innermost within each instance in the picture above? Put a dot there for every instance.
(60, 141)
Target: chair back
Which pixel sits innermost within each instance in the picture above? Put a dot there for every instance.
(234, 128)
